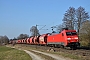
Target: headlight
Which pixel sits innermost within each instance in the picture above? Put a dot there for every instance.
(68, 38)
(76, 38)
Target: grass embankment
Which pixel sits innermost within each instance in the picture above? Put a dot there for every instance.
(63, 54)
(7, 53)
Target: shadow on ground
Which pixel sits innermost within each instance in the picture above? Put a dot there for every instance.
(84, 47)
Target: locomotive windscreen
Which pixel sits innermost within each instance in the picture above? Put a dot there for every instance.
(71, 33)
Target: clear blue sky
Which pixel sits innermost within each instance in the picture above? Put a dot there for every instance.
(17, 16)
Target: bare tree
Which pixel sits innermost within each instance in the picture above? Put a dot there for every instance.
(81, 16)
(34, 31)
(69, 18)
(4, 39)
(22, 36)
(59, 28)
(1, 41)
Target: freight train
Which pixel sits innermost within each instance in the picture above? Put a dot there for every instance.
(66, 38)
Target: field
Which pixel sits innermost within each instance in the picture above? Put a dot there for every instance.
(7, 53)
(79, 54)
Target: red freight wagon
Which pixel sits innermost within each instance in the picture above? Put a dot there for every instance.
(23, 41)
(31, 40)
(36, 40)
(43, 39)
(67, 38)
(10, 42)
(18, 41)
(28, 40)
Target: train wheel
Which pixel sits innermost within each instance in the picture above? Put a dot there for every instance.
(73, 47)
(55, 46)
(61, 46)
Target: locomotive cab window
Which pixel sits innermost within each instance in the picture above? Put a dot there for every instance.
(71, 33)
(74, 33)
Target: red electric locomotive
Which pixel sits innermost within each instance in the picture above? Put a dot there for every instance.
(68, 38)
